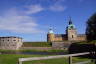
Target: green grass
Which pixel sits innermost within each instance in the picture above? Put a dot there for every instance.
(13, 59)
(29, 50)
(87, 42)
(57, 50)
(92, 42)
(49, 61)
(37, 44)
(1, 50)
(56, 61)
(53, 50)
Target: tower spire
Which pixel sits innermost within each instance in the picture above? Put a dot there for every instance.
(70, 21)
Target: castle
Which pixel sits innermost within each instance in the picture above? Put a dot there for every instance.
(71, 35)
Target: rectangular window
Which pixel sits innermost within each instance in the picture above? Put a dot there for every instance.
(14, 40)
(72, 36)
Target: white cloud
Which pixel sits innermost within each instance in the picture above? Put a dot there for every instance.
(20, 21)
(34, 9)
(13, 21)
(57, 8)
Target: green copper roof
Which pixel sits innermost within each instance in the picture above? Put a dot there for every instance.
(50, 31)
(71, 26)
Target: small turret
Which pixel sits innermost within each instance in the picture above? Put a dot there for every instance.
(50, 36)
(50, 31)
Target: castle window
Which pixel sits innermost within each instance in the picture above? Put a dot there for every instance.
(3, 40)
(13, 45)
(72, 36)
(14, 40)
(18, 40)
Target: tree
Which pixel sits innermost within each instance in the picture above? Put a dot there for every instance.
(91, 28)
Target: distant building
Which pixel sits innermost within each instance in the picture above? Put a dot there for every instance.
(10, 43)
(71, 35)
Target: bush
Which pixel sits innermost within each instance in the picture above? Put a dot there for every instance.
(92, 42)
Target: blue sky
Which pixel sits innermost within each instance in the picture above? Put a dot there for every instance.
(31, 19)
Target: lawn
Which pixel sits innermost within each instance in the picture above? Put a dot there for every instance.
(13, 59)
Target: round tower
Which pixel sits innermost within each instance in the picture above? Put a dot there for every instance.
(71, 32)
(50, 36)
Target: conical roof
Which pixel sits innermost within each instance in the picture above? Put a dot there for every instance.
(71, 25)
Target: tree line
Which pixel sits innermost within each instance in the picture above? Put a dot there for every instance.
(91, 28)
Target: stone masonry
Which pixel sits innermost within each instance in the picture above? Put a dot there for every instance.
(10, 43)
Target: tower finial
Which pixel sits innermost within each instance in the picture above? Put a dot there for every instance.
(50, 28)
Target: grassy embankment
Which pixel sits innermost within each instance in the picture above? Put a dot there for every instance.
(87, 42)
(13, 59)
(36, 44)
(34, 51)
(42, 44)
(39, 44)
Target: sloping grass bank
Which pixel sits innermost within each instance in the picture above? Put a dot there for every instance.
(13, 59)
(36, 44)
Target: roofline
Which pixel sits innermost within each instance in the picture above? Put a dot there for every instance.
(11, 37)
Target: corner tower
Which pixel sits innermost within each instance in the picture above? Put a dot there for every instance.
(50, 36)
(71, 31)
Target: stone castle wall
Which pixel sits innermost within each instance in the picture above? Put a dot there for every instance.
(61, 45)
(58, 39)
(10, 43)
(81, 38)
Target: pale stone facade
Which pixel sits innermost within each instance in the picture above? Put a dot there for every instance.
(10, 43)
(71, 35)
(61, 45)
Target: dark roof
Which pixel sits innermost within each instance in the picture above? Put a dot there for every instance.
(60, 35)
(10, 37)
